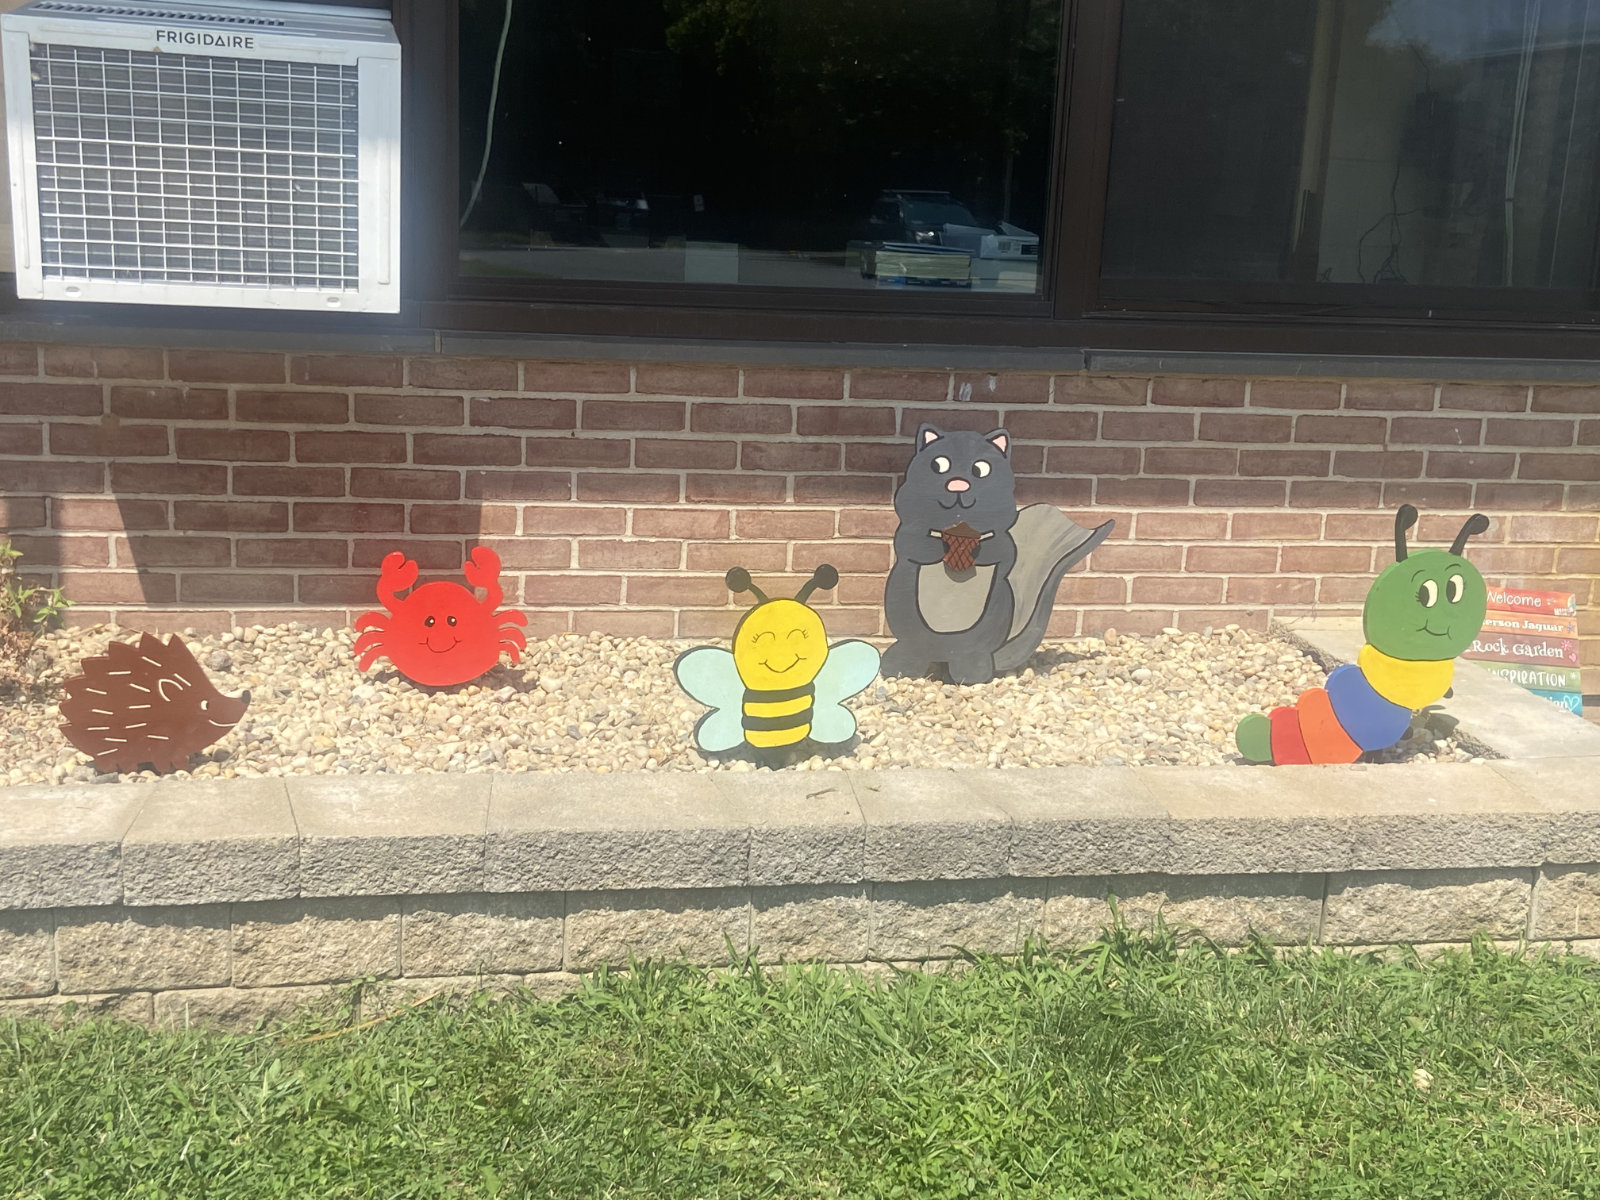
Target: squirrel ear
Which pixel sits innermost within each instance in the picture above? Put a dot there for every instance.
(1001, 441)
(927, 433)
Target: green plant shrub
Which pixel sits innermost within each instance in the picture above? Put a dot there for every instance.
(26, 611)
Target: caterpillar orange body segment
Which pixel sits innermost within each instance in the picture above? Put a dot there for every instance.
(1325, 739)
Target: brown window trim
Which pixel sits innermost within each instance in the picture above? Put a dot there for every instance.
(1078, 310)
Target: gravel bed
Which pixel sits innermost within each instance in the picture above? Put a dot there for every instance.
(596, 703)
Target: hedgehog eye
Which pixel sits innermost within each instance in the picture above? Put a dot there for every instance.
(1455, 587)
(981, 469)
(1428, 594)
(449, 620)
(428, 621)
(941, 464)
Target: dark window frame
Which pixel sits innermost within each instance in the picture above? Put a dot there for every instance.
(1077, 308)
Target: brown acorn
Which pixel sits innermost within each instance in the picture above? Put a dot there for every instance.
(149, 703)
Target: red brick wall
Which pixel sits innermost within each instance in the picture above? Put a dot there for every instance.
(181, 487)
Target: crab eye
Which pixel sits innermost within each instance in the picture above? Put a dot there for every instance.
(941, 464)
(981, 469)
(428, 621)
(1428, 594)
(449, 620)
(1455, 587)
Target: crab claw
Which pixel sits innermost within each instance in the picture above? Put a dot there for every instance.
(398, 572)
(482, 567)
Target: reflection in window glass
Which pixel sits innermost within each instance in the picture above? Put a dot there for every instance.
(1449, 143)
(794, 143)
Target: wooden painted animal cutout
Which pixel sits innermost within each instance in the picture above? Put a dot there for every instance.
(440, 634)
(1423, 610)
(974, 578)
(148, 703)
(781, 683)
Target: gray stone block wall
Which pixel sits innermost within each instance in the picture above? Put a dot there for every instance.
(207, 904)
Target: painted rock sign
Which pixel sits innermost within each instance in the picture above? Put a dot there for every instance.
(148, 703)
(1531, 638)
(974, 578)
(1423, 610)
(781, 684)
(440, 634)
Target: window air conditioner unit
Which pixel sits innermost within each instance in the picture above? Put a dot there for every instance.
(219, 153)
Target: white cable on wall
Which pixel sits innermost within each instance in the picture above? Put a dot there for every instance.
(488, 124)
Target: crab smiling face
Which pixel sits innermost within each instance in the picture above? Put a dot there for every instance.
(440, 633)
(1428, 607)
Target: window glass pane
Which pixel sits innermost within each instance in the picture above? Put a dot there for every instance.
(795, 143)
(1448, 143)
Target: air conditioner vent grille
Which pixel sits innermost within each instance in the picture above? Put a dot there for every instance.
(154, 14)
(182, 169)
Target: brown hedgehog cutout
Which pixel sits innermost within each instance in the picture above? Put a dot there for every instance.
(149, 703)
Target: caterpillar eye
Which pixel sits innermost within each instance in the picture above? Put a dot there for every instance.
(941, 464)
(1455, 587)
(428, 622)
(981, 469)
(1428, 594)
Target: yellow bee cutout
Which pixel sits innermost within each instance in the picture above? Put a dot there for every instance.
(782, 682)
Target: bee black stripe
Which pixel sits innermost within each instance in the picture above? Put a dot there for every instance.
(763, 696)
(771, 724)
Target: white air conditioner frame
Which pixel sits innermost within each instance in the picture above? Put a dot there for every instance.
(378, 198)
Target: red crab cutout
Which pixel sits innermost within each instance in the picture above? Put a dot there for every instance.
(440, 634)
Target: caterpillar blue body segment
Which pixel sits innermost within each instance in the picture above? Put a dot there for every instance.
(1372, 722)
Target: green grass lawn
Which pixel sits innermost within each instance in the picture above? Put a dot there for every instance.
(1131, 1069)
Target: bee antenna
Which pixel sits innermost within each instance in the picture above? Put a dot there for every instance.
(738, 580)
(1476, 523)
(824, 577)
(1403, 520)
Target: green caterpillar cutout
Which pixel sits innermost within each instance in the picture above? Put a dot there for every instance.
(1422, 610)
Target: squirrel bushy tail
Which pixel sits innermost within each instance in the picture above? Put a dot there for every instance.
(1049, 543)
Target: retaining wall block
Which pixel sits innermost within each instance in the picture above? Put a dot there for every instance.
(1079, 820)
(705, 925)
(938, 919)
(240, 1010)
(136, 1007)
(804, 827)
(579, 832)
(495, 934)
(1566, 902)
(315, 941)
(391, 835)
(1427, 906)
(1225, 908)
(810, 924)
(930, 824)
(1260, 820)
(27, 954)
(210, 842)
(59, 846)
(118, 949)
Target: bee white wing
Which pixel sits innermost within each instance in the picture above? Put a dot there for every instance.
(850, 667)
(709, 675)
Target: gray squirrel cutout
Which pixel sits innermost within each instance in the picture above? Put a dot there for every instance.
(974, 578)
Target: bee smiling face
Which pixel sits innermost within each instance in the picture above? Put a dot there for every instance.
(1426, 608)
(779, 645)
